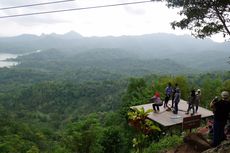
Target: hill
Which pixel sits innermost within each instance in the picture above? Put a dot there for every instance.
(113, 61)
(186, 51)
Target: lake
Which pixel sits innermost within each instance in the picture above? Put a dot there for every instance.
(4, 57)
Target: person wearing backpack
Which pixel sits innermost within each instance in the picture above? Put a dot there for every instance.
(168, 92)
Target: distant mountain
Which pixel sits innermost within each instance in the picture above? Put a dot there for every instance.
(68, 35)
(72, 41)
(204, 55)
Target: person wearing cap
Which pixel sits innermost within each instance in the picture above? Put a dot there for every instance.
(198, 99)
(221, 109)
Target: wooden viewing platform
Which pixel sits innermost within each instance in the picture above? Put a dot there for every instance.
(167, 118)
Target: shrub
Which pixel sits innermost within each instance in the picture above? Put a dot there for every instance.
(164, 144)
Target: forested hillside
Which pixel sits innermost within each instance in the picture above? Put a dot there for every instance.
(185, 51)
(75, 94)
(44, 112)
(116, 62)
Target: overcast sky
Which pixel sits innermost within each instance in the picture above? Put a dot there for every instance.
(138, 19)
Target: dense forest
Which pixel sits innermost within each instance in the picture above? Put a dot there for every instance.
(184, 51)
(57, 102)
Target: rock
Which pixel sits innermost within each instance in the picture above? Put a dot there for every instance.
(185, 148)
(197, 142)
(224, 147)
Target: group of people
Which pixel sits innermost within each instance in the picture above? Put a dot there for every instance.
(220, 107)
(174, 94)
(170, 93)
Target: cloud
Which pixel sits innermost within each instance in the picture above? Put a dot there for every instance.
(35, 19)
(121, 20)
(135, 11)
(7, 3)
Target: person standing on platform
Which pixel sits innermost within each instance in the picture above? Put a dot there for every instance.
(173, 94)
(176, 100)
(191, 102)
(168, 92)
(221, 109)
(198, 99)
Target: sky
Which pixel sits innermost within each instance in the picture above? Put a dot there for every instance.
(137, 19)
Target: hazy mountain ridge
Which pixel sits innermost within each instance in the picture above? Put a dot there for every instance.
(184, 50)
(150, 43)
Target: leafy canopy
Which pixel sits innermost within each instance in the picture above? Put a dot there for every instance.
(203, 17)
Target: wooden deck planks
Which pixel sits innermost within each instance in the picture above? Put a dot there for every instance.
(167, 118)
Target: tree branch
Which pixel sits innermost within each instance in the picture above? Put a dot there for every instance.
(222, 19)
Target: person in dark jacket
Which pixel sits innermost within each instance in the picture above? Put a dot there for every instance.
(221, 109)
(173, 94)
(191, 102)
(168, 92)
(176, 100)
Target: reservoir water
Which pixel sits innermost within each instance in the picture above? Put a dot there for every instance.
(4, 60)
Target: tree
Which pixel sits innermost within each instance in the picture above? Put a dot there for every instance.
(113, 140)
(33, 149)
(226, 85)
(83, 136)
(183, 84)
(211, 88)
(203, 17)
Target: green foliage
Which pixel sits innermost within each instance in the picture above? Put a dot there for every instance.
(136, 89)
(204, 18)
(113, 140)
(140, 142)
(60, 101)
(33, 149)
(164, 144)
(226, 85)
(84, 136)
(139, 114)
(136, 94)
(50, 111)
(151, 126)
(182, 82)
(138, 119)
(211, 88)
